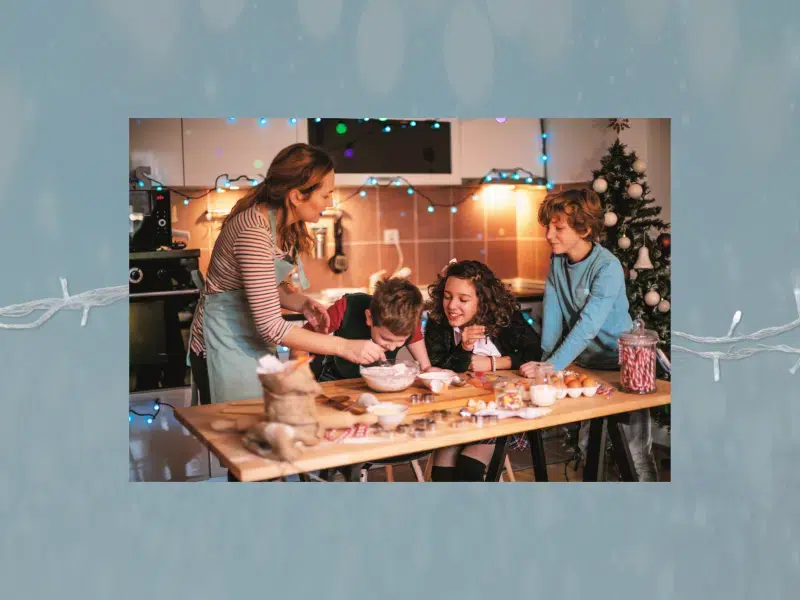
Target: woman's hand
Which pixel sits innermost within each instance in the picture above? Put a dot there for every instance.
(316, 315)
(470, 335)
(481, 364)
(362, 352)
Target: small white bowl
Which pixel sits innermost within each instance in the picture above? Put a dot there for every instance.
(390, 414)
(447, 376)
(574, 392)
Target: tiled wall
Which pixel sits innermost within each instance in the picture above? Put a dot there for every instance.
(498, 228)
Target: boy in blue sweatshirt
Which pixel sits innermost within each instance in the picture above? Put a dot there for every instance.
(586, 306)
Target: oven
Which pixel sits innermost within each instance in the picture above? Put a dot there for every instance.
(163, 299)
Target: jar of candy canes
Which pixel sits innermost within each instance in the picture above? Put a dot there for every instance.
(637, 359)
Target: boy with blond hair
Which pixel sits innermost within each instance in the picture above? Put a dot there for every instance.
(586, 306)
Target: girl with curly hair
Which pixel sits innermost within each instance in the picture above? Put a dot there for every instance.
(474, 323)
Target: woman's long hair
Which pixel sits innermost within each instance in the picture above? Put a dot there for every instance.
(299, 166)
(496, 303)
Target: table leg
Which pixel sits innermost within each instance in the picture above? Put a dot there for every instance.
(621, 451)
(498, 458)
(537, 455)
(593, 470)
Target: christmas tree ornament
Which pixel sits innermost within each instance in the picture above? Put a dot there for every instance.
(600, 185)
(610, 219)
(643, 262)
(634, 191)
(664, 242)
(652, 298)
(624, 242)
(633, 274)
(663, 306)
(639, 166)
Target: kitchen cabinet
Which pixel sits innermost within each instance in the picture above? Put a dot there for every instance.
(487, 144)
(156, 143)
(213, 147)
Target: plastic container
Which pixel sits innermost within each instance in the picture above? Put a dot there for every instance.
(637, 359)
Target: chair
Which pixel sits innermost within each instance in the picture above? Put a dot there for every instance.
(389, 464)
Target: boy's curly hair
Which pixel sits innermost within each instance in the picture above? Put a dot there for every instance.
(583, 210)
(496, 303)
(396, 305)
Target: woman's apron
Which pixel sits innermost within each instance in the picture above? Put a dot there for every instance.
(233, 343)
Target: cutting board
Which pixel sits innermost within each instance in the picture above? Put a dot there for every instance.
(454, 397)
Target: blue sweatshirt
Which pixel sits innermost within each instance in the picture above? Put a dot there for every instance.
(585, 310)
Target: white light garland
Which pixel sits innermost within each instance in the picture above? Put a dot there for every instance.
(715, 357)
(83, 301)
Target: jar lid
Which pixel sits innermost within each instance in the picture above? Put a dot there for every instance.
(639, 335)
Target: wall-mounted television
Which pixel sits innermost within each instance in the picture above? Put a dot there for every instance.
(384, 146)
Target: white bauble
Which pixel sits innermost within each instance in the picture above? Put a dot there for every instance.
(624, 242)
(652, 298)
(639, 165)
(632, 274)
(610, 219)
(600, 185)
(663, 306)
(635, 191)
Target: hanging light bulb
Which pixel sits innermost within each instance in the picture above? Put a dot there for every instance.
(643, 261)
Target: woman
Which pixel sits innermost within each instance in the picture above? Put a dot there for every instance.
(239, 317)
(474, 324)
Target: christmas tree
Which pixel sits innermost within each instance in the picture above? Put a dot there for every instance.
(636, 235)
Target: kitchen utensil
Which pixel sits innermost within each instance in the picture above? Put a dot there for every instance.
(338, 262)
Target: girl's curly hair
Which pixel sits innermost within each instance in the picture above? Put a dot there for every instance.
(496, 303)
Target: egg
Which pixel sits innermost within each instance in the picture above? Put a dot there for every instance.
(574, 384)
(589, 382)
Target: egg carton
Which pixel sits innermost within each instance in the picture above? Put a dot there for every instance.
(575, 392)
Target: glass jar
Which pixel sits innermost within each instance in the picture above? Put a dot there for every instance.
(637, 359)
(543, 388)
(507, 396)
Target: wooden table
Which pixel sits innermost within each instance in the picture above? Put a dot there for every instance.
(246, 466)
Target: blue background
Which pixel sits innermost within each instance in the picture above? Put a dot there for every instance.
(71, 74)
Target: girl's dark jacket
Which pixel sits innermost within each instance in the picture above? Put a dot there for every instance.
(518, 340)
